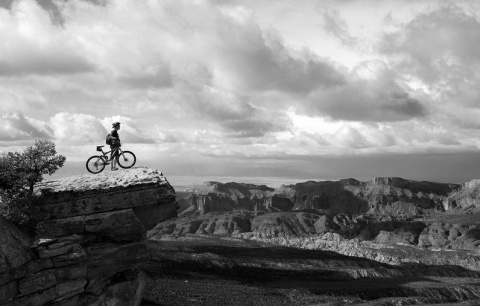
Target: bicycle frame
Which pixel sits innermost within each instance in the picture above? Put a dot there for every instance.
(115, 154)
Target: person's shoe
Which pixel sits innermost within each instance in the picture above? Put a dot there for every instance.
(114, 169)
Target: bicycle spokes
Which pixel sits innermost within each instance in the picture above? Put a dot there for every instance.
(126, 159)
(95, 164)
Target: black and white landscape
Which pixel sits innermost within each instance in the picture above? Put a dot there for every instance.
(387, 241)
(339, 141)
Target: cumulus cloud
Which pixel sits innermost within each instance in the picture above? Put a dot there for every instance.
(20, 99)
(73, 128)
(326, 136)
(443, 42)
(15, 126)
(378, 99)
(33, 45)
(439, 49)
(192, 48)
(77, 128)
(262, 62)
(236, 116)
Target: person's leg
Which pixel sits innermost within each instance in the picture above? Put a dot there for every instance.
(114, 158)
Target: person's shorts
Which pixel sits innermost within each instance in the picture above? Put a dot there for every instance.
(114, 146)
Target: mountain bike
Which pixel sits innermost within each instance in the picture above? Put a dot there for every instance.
(96, 163)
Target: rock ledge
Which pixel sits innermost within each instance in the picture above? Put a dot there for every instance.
(89, 241)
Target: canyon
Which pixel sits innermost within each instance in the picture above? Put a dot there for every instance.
(410, 242)
(384, 210)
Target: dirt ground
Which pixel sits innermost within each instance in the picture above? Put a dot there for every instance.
(216, 271)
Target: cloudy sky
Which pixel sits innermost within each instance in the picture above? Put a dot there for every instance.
(283, 89)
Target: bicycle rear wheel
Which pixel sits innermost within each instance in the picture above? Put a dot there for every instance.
(126, 159)
(96, 164)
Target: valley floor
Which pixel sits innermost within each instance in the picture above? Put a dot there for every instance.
(209, 270)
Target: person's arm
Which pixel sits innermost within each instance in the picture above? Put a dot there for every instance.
(114, 135)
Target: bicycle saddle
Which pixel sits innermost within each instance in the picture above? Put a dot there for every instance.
(99, 148)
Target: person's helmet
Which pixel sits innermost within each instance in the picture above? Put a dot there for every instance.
(115, 124)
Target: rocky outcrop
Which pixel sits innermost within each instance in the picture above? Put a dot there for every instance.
(468, 196)
(450, 236)
(90, 240)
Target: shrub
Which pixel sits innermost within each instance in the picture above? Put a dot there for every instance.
(19, 172)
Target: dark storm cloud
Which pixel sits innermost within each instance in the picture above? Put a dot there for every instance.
(16, 126)
(48, 5)
(53, 10)
(6, 4)
(440, 44)
(365, 100)
(236, 116)
(260, 61)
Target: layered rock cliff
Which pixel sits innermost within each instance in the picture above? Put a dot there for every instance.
(391, 211)
(216, 196)
(380, 196)
(89, 241)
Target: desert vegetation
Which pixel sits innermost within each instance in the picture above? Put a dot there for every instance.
(19, 172)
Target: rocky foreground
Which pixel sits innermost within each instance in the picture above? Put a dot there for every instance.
(89, 240)
(214, 270)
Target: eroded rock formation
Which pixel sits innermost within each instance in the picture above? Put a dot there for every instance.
(90, 240)
(385, 196)
(468, 196)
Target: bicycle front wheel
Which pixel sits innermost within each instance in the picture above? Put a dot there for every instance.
(126, 159)
(95, 164)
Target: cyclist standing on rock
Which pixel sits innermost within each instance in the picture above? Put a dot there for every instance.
(125, 159)
(115, 144)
